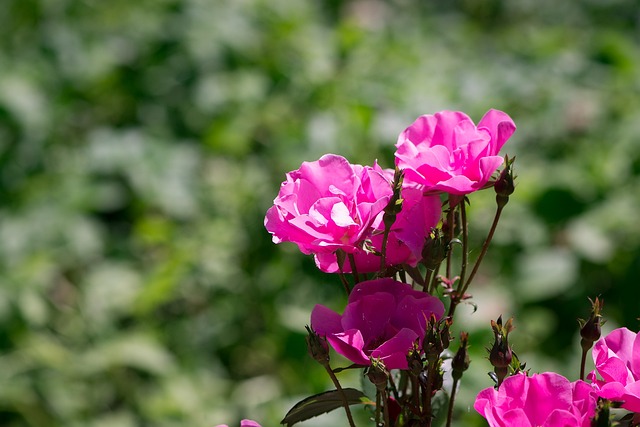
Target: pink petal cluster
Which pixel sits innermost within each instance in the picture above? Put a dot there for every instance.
(382, 320)
(617, 360)
(244, 423)
(419, 215)
(447, 152)
(328, 205)
(541, 400)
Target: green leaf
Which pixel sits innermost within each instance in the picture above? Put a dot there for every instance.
(322, 403)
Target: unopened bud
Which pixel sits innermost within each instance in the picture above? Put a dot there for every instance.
(432, 343)
(317, 347)
(434, 250)
(378, 374)
(394, 206)
(414, 361)
(590, 330)
(460, 361)
(500, 354)
(504, 185)
(445, 332)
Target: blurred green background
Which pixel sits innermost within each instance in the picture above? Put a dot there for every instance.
(141, 143)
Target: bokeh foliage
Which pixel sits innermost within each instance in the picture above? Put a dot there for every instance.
(142, 142)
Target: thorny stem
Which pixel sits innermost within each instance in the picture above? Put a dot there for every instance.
(342, 395)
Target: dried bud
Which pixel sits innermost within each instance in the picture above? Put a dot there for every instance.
(500, 354)
(590, 330)
(317, 347)
(460, 362)
(504, 185)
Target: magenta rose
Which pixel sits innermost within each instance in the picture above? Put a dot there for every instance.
(544, 400)
(328, 205)
(617, 360)
(447, 152)
(382, 320)
(419, 215)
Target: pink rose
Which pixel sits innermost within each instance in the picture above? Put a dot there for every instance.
(447, 152)
(419, 215)
(328, 205)
(382, 320)
(544, 400)
(244, 423)
(617, 360)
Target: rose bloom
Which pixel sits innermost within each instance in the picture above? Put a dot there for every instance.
(382, 320)
(447, 152)
(419, 215)
(541, 400)
(617, 360)
(328, 205)
(244, 423)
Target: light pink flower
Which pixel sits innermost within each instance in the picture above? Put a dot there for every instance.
(382, 320)
(419, 215)
(328, 205)
(244, 423)
(617, 360)
(447, 152)
(541, 400)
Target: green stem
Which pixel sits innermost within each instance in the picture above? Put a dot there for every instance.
(450, 220)
(434, 281)
(383, 249)
(427, 279)
(465, 243)
(343, 279)
(583, 362)
(354, 269)
(386, 408)
(378, 404)
(345, 403)
(451, 399)
(485, 247)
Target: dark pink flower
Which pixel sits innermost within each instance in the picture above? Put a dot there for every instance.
(328, 205)
(419, 215)
(447, 152)
(617, 360)
(541, 400)
(382, 320)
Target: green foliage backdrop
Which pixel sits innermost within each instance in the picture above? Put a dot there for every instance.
(142, 141)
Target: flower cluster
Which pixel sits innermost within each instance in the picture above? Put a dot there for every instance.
(386, 234)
